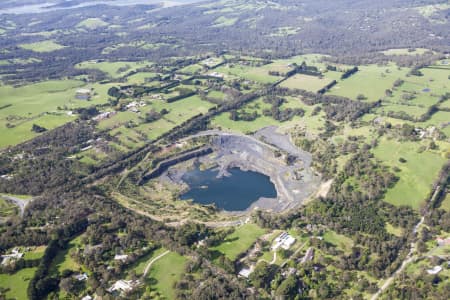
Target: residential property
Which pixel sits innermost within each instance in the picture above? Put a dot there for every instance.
(122, 257)
(284, 241)
(123, 286)
(245, 272)
(434, 270)
(83, 94)
(15, 255)
(81, 277)
(215, 74)
(443, 241)
(309, 255)
(104, 115)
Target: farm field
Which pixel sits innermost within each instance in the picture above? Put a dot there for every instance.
(240, 240)
(371, 81)
(257, 74)
(416, 174)
(306, 82)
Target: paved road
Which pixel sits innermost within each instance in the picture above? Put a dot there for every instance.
(149, 265)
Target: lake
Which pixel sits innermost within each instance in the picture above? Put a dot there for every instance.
(233, 193)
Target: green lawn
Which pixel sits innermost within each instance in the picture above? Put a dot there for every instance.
(43, 46)
(397, 231)
(165, 272)
(341, 241)
(63, 260)
(240, 240)
(417, 173)
(140, 265)
(16, 284)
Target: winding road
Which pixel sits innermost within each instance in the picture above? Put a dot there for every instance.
(21, 203)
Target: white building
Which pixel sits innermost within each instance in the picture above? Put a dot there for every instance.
(435, 270)
(122, 257)
(123, 286)
(245, 272)
(284, 241)
(81, 277)
(15, 255)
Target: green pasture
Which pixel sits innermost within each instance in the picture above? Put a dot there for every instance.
(306, 82)
(416, 175)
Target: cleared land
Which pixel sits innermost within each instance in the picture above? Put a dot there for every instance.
(306, 82)
(416, 174)
(165, 272)
(43, 46)
(16, 284)
(371, 81)
(240, 240)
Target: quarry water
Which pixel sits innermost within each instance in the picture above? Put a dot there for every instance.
(233, 193)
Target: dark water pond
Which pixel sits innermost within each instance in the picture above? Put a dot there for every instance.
(234, 193)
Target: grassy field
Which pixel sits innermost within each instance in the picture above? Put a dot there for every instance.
(140, 265)
(405, 51)
(306, 82)
(16, 284)
(165, 272)
(257, 74)
(31, 104)
(416, 174)
(92, 23)
(240, 240)
(43, 46)
(397, 231)
(7, 208)
(370, 81)
(113, 69)
(341, 241)
(63, 260)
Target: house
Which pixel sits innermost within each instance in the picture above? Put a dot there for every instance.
(123, 286)
(215, 74)
(122, 257)
(245, 272)
(434, 270)
(443, 242)
(83, 94)
(15, 255)
(284, 241)
(104, 115)
(81, 277)
(309, 255)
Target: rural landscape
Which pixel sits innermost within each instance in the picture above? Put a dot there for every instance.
(224, 149)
